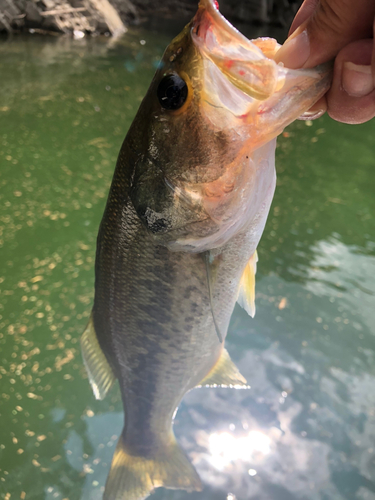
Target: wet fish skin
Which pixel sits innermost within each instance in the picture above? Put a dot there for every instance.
(159, 333)
(191, 187)
(152, 312)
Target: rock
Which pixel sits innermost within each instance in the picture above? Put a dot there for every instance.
(93, 16)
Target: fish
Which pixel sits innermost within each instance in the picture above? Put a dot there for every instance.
(177, 245)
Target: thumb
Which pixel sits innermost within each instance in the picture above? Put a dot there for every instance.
(326, 27)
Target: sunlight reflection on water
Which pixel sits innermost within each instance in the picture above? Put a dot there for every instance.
(226, 448)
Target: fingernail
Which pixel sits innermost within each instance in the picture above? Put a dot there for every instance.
(356, 79)
(318, 109)
(311, 115)
(295, 51)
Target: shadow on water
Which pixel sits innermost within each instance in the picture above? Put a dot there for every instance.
(306, 429)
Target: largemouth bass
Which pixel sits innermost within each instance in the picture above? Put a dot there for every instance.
(177, 244)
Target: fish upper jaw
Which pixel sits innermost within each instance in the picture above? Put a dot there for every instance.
(239, 59)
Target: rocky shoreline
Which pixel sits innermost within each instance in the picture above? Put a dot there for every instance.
(82, 17)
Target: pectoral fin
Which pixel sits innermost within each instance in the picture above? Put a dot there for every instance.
(224, 374)
(100, 373)
(246, 296)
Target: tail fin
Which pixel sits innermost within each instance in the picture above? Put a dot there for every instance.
(135, 478)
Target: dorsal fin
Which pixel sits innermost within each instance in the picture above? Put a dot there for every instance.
(246, 296)
(224, 374)
(210, 282)
(100, 373)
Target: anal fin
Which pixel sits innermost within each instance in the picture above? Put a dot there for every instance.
(225, 374)
(100, 373)
(246, 296)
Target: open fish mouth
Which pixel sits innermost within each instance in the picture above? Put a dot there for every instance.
(242, 76)
(242, 61)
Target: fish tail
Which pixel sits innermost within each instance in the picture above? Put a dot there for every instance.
(135, 478)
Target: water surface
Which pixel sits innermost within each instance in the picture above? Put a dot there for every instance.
(306, 428)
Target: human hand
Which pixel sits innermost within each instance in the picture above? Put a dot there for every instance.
(343, 30)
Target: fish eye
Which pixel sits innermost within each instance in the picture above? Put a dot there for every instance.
(172, 92)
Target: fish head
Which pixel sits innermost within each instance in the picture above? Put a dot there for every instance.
(202, 142)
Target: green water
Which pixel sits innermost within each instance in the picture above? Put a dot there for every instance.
(306, 429)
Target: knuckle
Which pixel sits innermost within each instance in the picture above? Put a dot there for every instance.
(332, 17)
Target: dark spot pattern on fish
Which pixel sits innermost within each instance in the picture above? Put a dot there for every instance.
(164, 273)
(148, 327)
(159, 225)
(195, 308)
(189, 291)
(155, 286)
(156, 313)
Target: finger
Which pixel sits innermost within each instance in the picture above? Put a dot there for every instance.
(351, 98)
(304, 12)
(334, 24)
